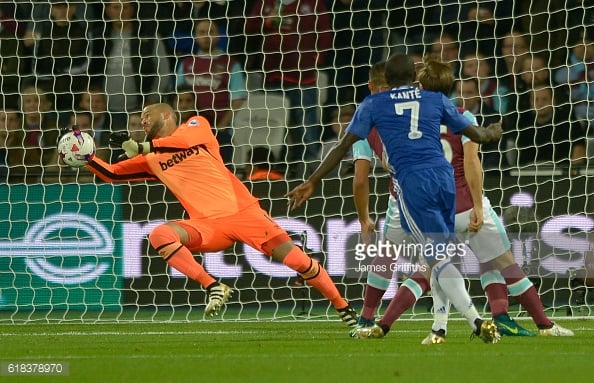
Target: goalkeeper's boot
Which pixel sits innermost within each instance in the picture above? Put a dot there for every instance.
(348, 315)
(375, 332)
(486, 330)
(362, 322)
(435, 337)
(218, 295)
(556, 330)
(508, 326)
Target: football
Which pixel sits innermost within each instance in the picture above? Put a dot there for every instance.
(76, 148)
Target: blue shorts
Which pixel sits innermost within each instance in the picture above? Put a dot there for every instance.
(427, 201)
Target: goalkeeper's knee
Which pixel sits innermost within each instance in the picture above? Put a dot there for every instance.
(165, 241)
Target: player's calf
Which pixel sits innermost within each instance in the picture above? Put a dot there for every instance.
(166, 241)
(315, 275)
(312, 271)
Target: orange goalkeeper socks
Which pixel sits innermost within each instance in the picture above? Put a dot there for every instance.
(167, 243)
(315, 275)
(182, 260)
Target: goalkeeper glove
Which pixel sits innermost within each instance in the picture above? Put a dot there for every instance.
(133, 148)
(116, 139)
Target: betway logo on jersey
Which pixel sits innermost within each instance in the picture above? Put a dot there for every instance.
(179, 157)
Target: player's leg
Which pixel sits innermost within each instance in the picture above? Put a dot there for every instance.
(494, 286)
(312, 273)
(433, 216)
(441, 312)
(380, 275)
(523, 290)
(256, 228)
(173, 242)
(428, 213)
(378, 281)
(486, 244)
(501, 272)
(416, 285)
(451, 282)
(406, 296)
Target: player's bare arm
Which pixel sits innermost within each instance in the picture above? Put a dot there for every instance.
(361, 198)
(480, 135)
(302, 192)
(473, 172)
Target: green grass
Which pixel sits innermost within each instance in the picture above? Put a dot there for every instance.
(297, 351)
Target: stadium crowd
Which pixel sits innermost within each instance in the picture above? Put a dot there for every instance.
(94, 63)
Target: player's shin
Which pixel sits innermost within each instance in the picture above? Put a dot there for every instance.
(525, 293)
(452, 283)
(167, 243)
(406, 296)
(315, 275)
(494, 286)
(378, 281)
(441, 307)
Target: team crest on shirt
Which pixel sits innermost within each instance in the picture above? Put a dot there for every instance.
(194, 122)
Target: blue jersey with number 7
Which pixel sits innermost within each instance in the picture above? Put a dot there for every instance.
(408, 120)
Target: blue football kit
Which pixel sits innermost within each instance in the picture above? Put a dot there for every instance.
(408, 120)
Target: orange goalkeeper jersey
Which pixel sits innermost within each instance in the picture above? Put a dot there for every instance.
(189, 163)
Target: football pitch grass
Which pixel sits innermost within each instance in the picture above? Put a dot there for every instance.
(290, 351)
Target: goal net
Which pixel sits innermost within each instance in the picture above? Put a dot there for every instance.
(73, 248)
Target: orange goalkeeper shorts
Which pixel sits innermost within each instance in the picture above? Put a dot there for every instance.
(252, 226)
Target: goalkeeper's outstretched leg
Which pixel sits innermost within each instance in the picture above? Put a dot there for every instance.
(315, 274)
(176, 241)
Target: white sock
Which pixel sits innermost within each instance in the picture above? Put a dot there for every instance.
(441, 306)
(452, 283)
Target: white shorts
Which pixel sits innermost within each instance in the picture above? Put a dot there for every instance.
(393, 231)
(490, 241)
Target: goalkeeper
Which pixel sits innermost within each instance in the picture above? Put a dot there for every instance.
(186, 159)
